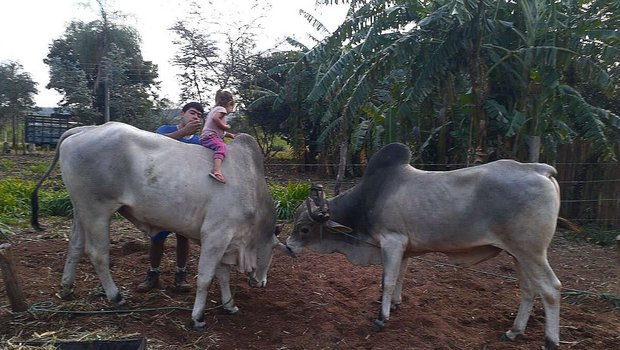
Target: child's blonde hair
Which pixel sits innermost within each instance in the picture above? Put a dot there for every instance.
(223, 98)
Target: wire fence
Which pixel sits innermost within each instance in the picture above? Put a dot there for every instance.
(590, 190)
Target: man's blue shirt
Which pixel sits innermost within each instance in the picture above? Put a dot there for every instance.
(167, 129)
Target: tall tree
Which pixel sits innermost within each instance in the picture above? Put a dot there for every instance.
(98, 66)
(17, 91)
(214, 53)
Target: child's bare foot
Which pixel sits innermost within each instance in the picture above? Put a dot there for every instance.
(217, 176)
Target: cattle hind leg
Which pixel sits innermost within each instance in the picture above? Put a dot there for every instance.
(74, 253)
(97, 248)
(93, 237)
(537, 277)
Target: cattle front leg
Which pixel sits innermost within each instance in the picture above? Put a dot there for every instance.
(211, 252)
(223, 276)
(397, 297)
(392, 250)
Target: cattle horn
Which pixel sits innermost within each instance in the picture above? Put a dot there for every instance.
(321, 214)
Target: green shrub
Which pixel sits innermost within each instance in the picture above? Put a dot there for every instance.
(14, 200)
(56, 204)
(288, 198)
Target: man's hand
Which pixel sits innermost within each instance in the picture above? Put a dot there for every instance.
(192, 127)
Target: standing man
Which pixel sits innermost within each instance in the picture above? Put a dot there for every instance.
(191, 122)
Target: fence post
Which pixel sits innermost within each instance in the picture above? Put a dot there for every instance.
(618, 265)
(11, 281)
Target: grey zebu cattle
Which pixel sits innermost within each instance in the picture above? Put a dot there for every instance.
(158, 184)
(471, 215)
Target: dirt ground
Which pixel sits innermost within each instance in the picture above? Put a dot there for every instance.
(312, 302)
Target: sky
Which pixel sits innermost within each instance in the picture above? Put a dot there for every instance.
(28, 27)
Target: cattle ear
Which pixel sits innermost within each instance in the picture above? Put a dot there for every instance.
(338, 228)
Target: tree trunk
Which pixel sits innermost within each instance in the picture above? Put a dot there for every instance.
(15, 132)
(533, 149)
(11, 280)
(106, 103)
(342, 165)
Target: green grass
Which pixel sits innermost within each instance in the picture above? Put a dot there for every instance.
(15, 202)
(6, 164)
(5, 233)
(288, 198)
(595, 235)
(36, 171)
(56, 204)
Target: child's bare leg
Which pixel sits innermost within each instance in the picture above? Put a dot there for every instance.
(217, 166)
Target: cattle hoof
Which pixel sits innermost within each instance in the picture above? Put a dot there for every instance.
(122, 305)
(232, 310)
(119, 302)
(550, 345)
(199, 326)
(66, 293)
(510, 336)
(254, 283)
(378, 325)
(66, 296)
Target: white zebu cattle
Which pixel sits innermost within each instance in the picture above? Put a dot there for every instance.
(471, 215)
(158, 184)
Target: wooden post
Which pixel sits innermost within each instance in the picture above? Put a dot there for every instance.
(618, 265)
(11, 281)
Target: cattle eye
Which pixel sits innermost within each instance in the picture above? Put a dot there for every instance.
(304, 230)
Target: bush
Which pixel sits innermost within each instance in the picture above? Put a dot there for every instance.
(288, 198)
(14, 200)
(56, 204)
(596, 235)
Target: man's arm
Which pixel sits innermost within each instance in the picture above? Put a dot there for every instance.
(189, 129)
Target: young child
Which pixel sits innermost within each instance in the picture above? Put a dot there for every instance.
(214, 131)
